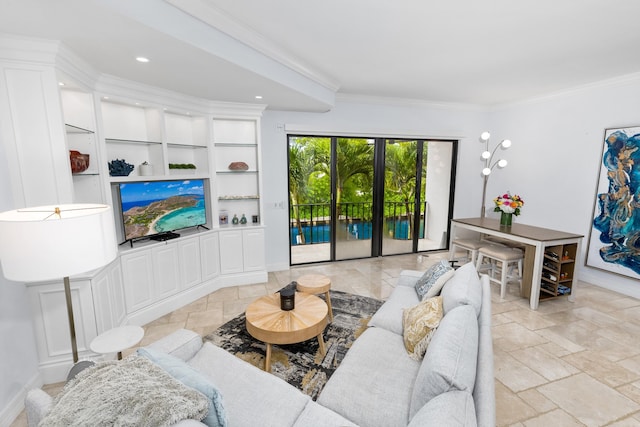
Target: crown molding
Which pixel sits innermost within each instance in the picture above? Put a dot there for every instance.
(576, 90)
(28, 49)
(129, 92)
(408, 102)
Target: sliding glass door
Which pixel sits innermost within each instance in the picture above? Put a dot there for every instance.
(361, 197)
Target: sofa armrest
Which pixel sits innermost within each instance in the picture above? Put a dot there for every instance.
(183, 344)
(409, 277)
(37, 405)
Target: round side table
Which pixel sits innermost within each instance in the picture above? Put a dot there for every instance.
(117, 339)
(316, 284)
(271, 325)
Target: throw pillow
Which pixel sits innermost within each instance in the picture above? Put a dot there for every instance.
(432, 281)
(419, 323)
(177, 368)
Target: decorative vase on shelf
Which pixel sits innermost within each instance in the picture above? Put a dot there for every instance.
(243, 220)
(234, 220)
(506, 219)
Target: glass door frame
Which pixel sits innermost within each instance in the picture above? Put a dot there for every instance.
(378, 218)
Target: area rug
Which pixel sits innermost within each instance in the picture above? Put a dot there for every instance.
(302, 365)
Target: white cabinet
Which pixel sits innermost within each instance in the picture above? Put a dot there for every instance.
(231, 252)
(242, 250)
(108, 297)
(210, 256)
(150, 275)
(166, 270)
(190, 262)
(253, 249)
(137, 274)
(51, 323)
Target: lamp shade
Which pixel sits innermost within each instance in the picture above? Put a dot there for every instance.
(51, 242)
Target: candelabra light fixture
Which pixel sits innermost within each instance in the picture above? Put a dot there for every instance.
(490, 164)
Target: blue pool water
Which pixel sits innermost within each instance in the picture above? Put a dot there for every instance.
(357, 230)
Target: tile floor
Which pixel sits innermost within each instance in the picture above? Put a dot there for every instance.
(567, 364)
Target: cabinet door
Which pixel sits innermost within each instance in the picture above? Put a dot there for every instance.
(189, 253)
(102, 302)
(137, 274)
(231, 257)
(108, 297)
(253, 249)
(118, 309)
(210, 256)
(51, 323)
(166, 270)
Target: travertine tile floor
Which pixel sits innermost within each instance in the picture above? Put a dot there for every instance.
(566, 364)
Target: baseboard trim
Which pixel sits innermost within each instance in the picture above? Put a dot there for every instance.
(9, 413)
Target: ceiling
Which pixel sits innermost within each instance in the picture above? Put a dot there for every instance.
(299, 55)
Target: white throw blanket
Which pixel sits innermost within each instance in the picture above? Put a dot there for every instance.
(130, 392)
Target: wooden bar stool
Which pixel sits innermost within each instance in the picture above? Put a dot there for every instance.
(470, 246)
(316, 284)
(509, 259)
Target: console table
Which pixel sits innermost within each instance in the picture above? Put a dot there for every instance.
(552, 251)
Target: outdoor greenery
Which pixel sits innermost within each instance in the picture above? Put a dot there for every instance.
(310, 179)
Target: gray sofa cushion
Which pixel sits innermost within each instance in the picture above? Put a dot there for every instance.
(315, 415)
(389, 316)
(252, 397)
(462, 289)
(183, 344)
(372, 387)
(451, 359)
(451, 409)
(409, 278)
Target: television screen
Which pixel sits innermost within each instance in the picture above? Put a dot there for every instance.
(154, 207)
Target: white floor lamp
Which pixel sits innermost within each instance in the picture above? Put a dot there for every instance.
(53, 242)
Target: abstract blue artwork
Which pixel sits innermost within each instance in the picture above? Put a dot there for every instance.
(614, 242)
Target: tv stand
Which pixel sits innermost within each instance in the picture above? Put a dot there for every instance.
(164, 236)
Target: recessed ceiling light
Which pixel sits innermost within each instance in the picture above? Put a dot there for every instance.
(258, 96)
(142, 59)
(105, 97)
(60, 84)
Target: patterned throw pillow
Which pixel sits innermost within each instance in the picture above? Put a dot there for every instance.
(419, 323)
(432, 281)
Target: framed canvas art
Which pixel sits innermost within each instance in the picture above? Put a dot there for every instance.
(614, 238)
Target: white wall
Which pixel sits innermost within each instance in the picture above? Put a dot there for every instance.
(18, 352)
(357, 118)
(555, 160)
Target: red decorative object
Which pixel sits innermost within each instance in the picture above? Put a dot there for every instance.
(238, 166)
(79, 161)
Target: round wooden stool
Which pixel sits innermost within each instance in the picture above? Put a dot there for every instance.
(316, 284)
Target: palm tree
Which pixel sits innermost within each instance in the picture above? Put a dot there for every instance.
(400, 177)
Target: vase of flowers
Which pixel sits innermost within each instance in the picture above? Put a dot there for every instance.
(508, 206)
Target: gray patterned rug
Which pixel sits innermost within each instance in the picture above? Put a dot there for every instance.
(301, 365)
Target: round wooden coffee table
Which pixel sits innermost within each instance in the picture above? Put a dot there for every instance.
(268, 323)
(316, 284)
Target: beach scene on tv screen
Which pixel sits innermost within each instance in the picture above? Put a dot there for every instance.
(159, 206)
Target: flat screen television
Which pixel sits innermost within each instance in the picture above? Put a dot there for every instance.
(155, 208)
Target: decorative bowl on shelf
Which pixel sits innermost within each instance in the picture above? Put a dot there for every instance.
(238, 166)
(79, 161)
(119, 167)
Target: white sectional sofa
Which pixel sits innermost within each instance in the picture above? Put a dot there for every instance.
(377, 384)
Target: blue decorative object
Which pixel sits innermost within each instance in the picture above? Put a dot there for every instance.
(119, 167)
